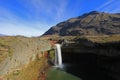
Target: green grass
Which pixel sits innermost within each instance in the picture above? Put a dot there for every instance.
(52, 54)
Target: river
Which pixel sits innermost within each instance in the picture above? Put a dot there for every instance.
(57, 74)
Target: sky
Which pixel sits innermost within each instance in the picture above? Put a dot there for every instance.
(34, 17)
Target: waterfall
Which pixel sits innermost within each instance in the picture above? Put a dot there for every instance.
(58, 55)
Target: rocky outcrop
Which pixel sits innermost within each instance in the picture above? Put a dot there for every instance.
(23, 50)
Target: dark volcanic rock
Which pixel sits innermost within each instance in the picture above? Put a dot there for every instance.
(93, 23)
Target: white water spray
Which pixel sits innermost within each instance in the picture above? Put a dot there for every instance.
(58, 55)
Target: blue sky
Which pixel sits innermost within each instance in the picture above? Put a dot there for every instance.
(34, 17)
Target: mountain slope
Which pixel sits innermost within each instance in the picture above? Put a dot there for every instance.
(93, 23)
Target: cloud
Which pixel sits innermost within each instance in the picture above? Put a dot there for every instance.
(61, 11)
(37, 16)
(112, 6)
(13, 24)
(39, 9)
(105, 4)
(51, 8)
(19, 29)
(7, 15)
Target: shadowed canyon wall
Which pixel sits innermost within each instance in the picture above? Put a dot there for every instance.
(92, 61)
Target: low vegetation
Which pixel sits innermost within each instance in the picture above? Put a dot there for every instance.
(98, 39)
(25, 48)
(5, 49)
(103, 39)
(29, 72)
(18, 57)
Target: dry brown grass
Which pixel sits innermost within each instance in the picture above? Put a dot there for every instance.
(29, 72)
(103, 39)
(5, 48)
(3, 55)
(10, 44)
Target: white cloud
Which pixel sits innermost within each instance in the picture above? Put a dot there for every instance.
(18, 29)
(61, 10)
(105, 4)
(51, 8)
(13, 24)
(7, 15)
(112, 6)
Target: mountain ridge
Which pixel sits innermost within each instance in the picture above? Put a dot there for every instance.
(2, 35)
(93, 23)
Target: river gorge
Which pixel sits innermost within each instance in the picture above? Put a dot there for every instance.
(94, 61)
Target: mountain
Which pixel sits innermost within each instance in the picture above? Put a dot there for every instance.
(93, 23)
(2, 35)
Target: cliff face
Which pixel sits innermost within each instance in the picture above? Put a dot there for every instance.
(93, 60)
(19, 51)
(93, 23)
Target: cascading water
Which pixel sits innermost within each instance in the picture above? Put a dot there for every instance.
(58, 55)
